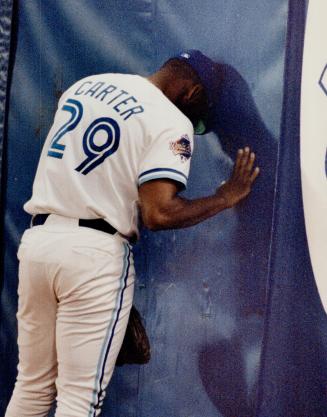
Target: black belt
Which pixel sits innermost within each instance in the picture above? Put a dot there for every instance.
(97, 224)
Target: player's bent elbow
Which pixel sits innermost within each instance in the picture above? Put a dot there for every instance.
(153, 224)
(156, 221)
(154, 227)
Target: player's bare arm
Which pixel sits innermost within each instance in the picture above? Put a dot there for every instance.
(162, 207)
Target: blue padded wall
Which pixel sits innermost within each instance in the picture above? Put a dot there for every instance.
(294, 356)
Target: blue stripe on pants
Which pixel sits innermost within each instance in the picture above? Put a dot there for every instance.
(110, 334)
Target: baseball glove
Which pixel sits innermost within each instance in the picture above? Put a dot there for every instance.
(136, 346)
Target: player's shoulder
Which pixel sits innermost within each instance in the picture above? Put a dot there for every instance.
(162, 111)
(159, 111)
(166, 116)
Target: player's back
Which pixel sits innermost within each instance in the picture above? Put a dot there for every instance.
(102, 140)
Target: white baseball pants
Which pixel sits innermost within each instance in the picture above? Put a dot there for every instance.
(75, 293)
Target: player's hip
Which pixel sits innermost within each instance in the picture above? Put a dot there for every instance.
(75, 263)
(62, 241)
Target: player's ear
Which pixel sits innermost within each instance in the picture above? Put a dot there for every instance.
(193, 92)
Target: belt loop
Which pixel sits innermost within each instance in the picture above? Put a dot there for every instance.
(39, 219)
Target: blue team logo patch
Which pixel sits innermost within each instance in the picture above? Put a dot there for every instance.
(182, 147)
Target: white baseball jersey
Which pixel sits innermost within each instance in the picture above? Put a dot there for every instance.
(111, 133)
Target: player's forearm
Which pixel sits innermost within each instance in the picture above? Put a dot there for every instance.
(184, 213)
(162, 208)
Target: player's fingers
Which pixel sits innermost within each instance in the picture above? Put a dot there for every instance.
(249, 165)
(244, 160)
(254, 175)
(238, 160)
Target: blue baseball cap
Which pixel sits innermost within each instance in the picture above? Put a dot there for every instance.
(207, 72)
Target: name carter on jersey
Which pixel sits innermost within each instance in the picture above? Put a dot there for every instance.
(118, 98)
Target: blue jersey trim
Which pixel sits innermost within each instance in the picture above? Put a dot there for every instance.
(158, 173)
(98, 391)
(150, 171)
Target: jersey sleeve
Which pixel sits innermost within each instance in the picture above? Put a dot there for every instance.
(168, 156)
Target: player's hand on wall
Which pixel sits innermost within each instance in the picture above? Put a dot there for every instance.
(241, 180)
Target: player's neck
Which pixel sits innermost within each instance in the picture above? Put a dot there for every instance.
(171, 88)
(157, 80)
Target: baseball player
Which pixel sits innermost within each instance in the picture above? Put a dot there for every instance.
(119, 145)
